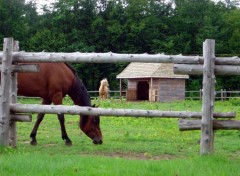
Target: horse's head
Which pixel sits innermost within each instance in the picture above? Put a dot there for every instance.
(104, 82)
(90, 125)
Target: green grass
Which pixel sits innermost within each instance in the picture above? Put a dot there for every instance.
(132, 146)
(44, 164)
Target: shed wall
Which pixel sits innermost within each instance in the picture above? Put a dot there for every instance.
(153, 92)
(163, 89)
(171, 89)
(131, 94)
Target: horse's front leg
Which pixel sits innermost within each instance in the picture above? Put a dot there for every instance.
(57, 100)
(35, 128)
(63, 130)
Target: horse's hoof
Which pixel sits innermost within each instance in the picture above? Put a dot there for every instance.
(68, 143)
(33, 142)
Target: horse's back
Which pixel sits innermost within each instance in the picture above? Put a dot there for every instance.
(52, 78)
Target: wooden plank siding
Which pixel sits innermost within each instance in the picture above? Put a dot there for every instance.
(163, 89)
(131, 95)
(171, 89)
(153, 82)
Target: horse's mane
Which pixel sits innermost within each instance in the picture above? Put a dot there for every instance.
(79, 94)
(78, 91)
(71, 68)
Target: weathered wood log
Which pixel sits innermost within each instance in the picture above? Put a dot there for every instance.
(207, 136)
(228, 115)
(186, 125)
(101, 57)
(20, 117)
(12, 124)
(235, 60)
(24, 68)
(114, 57)
(5, 91)
(192, 69)
(80, 110)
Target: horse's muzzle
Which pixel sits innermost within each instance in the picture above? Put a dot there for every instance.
(97, 141)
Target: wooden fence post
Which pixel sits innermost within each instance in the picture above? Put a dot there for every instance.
(120, 88)
(200, 93)
(13, 131)
(207, 136)
(5, 91)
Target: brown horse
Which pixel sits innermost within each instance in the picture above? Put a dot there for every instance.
(52, 83)
(103, 89)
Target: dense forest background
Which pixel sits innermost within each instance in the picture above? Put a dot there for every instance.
(124, 26)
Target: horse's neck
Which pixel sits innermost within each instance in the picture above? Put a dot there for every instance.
(101, 88)
(105, 88)
(79, 94)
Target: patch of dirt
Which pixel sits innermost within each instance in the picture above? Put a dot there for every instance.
(24, 142)
(43, 145)
(48, 145)
(137, 156)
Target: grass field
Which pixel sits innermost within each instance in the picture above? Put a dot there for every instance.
(131, 146)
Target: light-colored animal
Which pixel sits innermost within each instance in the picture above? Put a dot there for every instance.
(103, 89)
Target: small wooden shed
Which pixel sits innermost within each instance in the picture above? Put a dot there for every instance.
(153, 82)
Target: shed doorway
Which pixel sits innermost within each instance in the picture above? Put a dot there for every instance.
(142, 90)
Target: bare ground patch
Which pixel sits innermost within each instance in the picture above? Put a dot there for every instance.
(137, 156)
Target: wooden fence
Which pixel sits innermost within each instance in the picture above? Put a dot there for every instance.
(222, 95)
(10, 111)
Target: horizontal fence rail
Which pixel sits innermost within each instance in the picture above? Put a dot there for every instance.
(198, 69)
(24, 68)
(110, 57)
(222, 94)
(113, 94)
(81, 110)
(186, 125)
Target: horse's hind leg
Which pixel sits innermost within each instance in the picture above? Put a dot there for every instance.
(37, 123)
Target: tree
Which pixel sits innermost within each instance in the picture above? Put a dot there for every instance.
(48, 41)
(123, 26)
(230, 32)
(12, 22)
(74, 19)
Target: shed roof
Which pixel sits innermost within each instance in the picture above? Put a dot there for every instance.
(149, 70)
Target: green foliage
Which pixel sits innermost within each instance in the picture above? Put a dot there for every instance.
(232, 31)
(7, 150)
(234, 102)
(123, 26)
(12, 19)
(47, 40)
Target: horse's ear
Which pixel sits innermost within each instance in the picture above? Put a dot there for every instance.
(95, 106)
